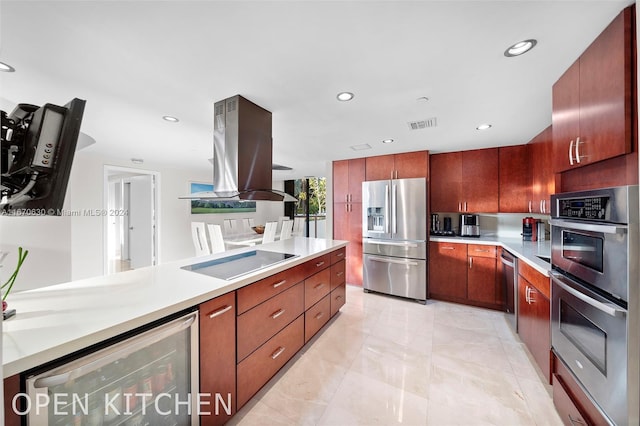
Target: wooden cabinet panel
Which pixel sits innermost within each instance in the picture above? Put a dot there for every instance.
(543, 180)
(535, 278)
(447, 271)
(316, 317)
(218, 348)
(256, 293)
(356, 177)
(515, 179)
(11, 389)
(481, 279)
(256, 370)
(338, 255)
(316, 287)
(593, 102)
(316, 265)
(481, 250)
(534, 323)
(445, 181)
(480, 180)
(412, 165)
(337, 274)
(338, 298)
(260, 323)
(341, 181)
(379, 167)
(568, 411)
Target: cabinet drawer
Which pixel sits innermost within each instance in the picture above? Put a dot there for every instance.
(481, 250)
(337, 274)
(534, 277)
(338, 298)
(259, 324)
(316, 317)
(316, 265)
(260, 366)
(338, 255)
(258, 292)
(316, 287)
(567, 410)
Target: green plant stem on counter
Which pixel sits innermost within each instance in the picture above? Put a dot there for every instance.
(12, 279)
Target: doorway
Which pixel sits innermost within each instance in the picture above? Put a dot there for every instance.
(131, 219)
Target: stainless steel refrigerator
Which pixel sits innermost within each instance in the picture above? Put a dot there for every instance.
(394, 237)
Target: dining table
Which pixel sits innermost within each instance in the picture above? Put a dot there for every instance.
(244, 239)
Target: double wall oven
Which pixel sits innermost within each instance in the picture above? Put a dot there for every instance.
(595, 295)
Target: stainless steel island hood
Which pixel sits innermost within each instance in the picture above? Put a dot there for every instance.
(242, 154)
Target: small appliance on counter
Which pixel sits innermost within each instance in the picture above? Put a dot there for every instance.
(441, 232)
(541, 230)
(469, 225)
(529, 229)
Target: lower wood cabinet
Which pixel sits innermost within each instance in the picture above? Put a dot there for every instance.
(534, 316)
(338, 298)
(316, 316)
(464, 273)
(218, 353)
(256, 370)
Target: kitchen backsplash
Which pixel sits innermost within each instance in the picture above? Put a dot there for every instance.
(506, 225)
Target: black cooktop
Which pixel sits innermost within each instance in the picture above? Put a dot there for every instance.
(230, 267)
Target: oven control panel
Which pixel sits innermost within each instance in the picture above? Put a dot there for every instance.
(591, 208)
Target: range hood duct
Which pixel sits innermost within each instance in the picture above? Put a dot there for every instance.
(242, 154)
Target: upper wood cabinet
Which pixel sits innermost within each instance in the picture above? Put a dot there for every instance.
(398, 166)
(348, 176)
(543, 181)
(465, 181)
(593, 100)
(515, 179)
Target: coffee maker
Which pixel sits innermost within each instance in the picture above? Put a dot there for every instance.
(469, 225)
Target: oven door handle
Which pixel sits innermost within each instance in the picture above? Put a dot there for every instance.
(607, 308)
(593, 227)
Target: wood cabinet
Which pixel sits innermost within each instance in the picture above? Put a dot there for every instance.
(218, 353)
(398, 166)
(348, 176)
(515, 179)
(11, 389)
(542, 174)
(534, 315)
(466, 181)
(593, 100)
(464, 273)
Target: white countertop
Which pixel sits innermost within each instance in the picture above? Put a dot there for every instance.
(523, 250)
(58, 320)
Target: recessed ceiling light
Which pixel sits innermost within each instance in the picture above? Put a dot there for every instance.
(483, 127)
(520, 47)
(170, 118)
(345, 96)
(6, 67)
(387, 141)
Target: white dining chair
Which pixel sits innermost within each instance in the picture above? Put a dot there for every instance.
(269, 234)
(285, 232)
(198, 233)
(280, 220)
(217, 240)
(230, 226)
(298, 227)
(246, 225)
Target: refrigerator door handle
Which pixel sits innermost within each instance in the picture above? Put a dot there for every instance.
(386, 209)
(116, 352)
(394, 207)
(392, 260)
(390, 243)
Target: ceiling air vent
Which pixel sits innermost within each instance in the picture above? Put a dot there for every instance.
(219, 110)
(423, 124)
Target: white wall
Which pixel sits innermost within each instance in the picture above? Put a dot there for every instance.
(72, 247)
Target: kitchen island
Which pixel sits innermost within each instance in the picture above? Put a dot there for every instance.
(57, 321)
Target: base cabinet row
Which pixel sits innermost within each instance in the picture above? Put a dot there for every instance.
(248, 335)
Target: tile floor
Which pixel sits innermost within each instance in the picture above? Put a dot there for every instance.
(385, 361)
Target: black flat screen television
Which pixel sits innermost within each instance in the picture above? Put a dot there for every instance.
(38, 145)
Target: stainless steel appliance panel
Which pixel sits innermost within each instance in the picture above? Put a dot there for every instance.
(510, 287)
(376, 209)
(407, 248)
(589, 333)
(396, 276)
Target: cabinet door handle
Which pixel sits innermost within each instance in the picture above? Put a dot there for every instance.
(447, 248)
(277, 313)
(277, 353)
(482, 251)
(544, 206)
(529, 206)
(318, 286)
(578, 150)
(576, 421)
(470, 262)
(340, 254)
(465, 207)
(339, 274)
(220, 311)
(571, 152)
(278, 284)
(319, 315)
(319, 264)
(338, 297)
(526, 294)
(541, 211)
(459, 207)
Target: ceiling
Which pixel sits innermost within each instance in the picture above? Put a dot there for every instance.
(135, 61)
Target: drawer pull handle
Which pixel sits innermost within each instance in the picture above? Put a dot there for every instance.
(319, 264)
(447, 248)
(277, 353)
(483, 251)
(277, 313)
(278, 284)
(319, 315)
(338, 297)
(340, 254)
(341, 273)
(220, 311)
(319, 286)
(575, 421)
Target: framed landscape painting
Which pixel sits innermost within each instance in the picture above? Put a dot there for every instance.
(213, 206)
